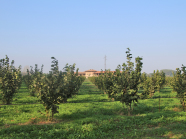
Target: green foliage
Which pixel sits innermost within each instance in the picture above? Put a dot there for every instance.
(127, 82)
(10, 80)
(160, 80)
(98, 81)
(71, 83)
(179, 85)
(142, 79)
(147, 88)
(33, 80)
(168, 80)
(27, 79)
(122, 85)
(152, 83)
(49, 94)
(109, 84)
(56, 87)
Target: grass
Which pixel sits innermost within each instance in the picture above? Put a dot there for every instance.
(91, 115)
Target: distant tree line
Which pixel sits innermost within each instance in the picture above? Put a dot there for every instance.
(168, 72)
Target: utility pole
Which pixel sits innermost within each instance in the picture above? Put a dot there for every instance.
(105, 62)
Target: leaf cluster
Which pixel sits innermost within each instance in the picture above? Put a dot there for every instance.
(151, 83)
(179, 84)
(33, 80)
(10, 78)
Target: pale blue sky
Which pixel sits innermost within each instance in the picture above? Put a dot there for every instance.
(84, 31)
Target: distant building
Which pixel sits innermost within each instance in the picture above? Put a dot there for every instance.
(91, 72)
(87, 73)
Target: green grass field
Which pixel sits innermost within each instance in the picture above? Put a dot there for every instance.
(91, 115)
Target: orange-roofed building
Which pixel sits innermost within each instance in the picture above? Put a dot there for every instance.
(92, 72)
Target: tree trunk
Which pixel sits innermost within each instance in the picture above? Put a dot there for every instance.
(52, 115)
(129, 109)
(47, 112)
(65, 100)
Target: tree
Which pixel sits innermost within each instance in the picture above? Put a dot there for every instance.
(57, 87)
(33, 80)
(129, 80)
(123, 85)
(160, 80)
(49, 90)
(152, 83)
(168, 80)
(109, 83)
(143, 78)
(10, 80)
(146, 88)
(179, 85)
(98, 81)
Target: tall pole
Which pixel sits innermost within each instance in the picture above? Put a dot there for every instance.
(105, 61)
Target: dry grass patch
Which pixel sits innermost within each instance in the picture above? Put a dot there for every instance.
(177, 109)
(36, 121)
(39, 121)
(173, 136)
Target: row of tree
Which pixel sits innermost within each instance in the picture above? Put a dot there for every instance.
(123, 85)
(51, 89)
(152, 83)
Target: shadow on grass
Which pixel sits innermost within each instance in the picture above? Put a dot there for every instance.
(119, 110)
(156, 97)
(88, 101)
